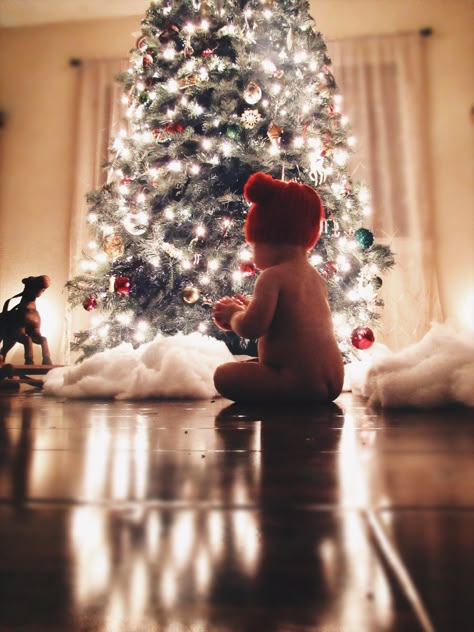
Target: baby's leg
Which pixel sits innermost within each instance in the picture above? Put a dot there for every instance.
(253, 382)
(248, 382)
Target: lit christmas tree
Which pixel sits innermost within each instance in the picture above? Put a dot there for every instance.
(215, 91)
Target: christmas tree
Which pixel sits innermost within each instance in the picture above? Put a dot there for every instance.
(217, 90)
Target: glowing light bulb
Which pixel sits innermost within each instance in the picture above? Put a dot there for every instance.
(206, 143)
(141, 198)
(213, 265)
(340, 157)
(92, 218)
(268, 66)
(226, 148)
(205, 25)
(316, 259)
(201, 231)
(172, 85)
(351, 141)
(195, 169)
(298, 142)
(124, 318)
(92, 245)
(169, 213)
(300, 56)
(175, 166)
(364, 195)
(202, 327)
(186, 264)
(169, 53)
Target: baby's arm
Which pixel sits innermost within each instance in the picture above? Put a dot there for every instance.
(254, 321)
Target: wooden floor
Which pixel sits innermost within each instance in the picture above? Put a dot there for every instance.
(202, 516)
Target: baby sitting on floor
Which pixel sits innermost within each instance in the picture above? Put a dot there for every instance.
(299, 360)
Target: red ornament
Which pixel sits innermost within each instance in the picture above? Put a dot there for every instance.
(362, 338)
(247, 268)
(329, 270)
(125, 180)
(89, 304)
(147, 59)
(175, 128)
(122, 285)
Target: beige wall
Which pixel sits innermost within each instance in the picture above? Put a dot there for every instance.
(37, 91)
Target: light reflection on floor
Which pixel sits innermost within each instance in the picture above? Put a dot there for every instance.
(139, 557)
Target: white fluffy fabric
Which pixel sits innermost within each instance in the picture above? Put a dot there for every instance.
(436, 371)
(175, 367)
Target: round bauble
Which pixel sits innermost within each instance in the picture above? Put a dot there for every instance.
(252, 93)
(362, 338)
(113, 246)
(274, 132)
(90, 303)
(136, 223)
(147, 59)
(364, 237)
(247, 268)
(122, 285)
(330, 269)
(190, 294)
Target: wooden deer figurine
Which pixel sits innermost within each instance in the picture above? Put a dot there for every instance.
(22, 323)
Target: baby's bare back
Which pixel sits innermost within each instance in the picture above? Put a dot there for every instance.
(301, 339)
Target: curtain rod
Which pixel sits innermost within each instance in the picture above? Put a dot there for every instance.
(425, 31)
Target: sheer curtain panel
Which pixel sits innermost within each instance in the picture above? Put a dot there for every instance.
(383, 83)
(99, 115)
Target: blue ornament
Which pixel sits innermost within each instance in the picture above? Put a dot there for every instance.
(364, 237)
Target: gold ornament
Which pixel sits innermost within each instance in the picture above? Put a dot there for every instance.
(252, 93)
(190, 294)
(113, 246)
(274, 132)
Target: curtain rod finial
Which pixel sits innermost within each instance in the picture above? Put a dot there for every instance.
(75, 61)
(426, 31)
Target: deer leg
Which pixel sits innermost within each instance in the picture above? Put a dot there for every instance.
(8, 343)
(43, 341)
(26, 341)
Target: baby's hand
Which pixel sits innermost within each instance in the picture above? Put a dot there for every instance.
(241, 299)
(223, 311)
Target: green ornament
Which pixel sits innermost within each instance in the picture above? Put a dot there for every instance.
(377, 282)
(364, 237)
(233, 132)
(144, 98)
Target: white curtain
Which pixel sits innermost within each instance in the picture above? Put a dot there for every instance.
(99, 116)
(383, 84)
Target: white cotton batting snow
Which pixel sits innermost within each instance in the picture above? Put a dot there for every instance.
(437, 370)
(174, 367)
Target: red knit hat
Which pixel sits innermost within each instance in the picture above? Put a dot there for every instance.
(282, 212)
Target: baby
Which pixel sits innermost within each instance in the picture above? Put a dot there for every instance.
(299, 360)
